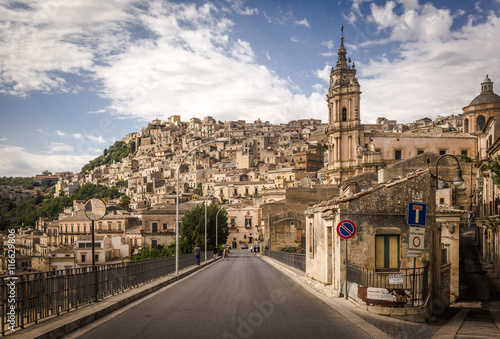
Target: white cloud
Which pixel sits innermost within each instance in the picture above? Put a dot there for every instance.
(17, 161)
(60, 147)
(79, 136)
(3, 139)
(97, 139)
(187, 64)
(61, 133)
(239, 7)
(431, 72)
(303, 22)
(99, 111)
(328, 44)
(52, 37)
(294, 39)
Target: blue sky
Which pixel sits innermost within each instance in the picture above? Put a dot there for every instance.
(75, 76)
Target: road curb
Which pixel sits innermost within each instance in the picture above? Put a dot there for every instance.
(61, 325)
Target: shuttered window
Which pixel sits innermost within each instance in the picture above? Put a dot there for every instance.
(387, 251)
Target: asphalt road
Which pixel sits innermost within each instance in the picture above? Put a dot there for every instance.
(243, 297)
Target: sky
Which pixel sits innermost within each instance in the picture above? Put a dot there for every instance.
(76, 76)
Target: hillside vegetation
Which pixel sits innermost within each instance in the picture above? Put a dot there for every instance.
(115, 152)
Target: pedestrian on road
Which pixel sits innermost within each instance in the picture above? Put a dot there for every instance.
(251, 249)
(224, 254)
(215, 251)
(197, 253)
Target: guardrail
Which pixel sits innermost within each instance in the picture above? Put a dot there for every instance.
(291, 259)
(379, 277)
(28, 298)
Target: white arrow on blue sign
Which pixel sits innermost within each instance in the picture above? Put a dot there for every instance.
(416, 214)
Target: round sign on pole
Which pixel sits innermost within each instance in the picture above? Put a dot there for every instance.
(346, 229)
(95, 209)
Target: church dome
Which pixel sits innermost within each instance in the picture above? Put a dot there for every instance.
(487, 95)
(485, 98)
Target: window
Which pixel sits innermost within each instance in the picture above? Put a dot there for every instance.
(248, 222)
(387, 251)
(441, 201)
(154, 243)
(464, 153)
(154, 227)
(233, 222)
(83, 258)
(84, 228)
(420, 151)
(442, 152)
(397, 154)
(245, 236)
(299, 235)
(164, 226)
(81, 245)
(344, 114)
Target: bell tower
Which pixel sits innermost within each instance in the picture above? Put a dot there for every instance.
(345, 132)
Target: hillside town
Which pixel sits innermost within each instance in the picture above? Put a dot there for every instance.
(290, 184)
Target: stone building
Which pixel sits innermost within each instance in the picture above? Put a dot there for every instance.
(379, 251)
(244, 225)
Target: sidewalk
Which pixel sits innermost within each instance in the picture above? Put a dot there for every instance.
(58, 326)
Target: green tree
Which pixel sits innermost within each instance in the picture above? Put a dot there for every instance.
(192, 230)
(124, 202)
(494, 167)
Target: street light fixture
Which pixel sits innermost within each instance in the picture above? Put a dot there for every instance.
(206, 200)
(458, 180)
(177, 200)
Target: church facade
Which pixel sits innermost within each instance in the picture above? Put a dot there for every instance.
(355, 148)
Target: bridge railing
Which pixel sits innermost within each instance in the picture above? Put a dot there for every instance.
(28, 298)
(291, 259)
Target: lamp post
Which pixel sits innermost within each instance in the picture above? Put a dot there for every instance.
(458, 180)
(177, 201)
(206, 200)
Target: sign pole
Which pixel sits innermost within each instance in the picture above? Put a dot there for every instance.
(345, 275)
(413, 287)
(94, 268)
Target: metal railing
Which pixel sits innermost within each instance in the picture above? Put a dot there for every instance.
(28, 298)
(379, 277)
(291, 259)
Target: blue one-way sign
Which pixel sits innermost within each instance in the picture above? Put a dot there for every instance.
(416, 213)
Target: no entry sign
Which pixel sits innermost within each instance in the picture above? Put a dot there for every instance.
(346, 229)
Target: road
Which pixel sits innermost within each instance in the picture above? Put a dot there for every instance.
(243, 297)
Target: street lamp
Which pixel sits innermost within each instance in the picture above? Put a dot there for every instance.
(177, 201)
(220, 188)
(458, 180)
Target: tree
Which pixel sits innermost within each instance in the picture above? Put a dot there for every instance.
(192, 230)
(124, 202)
(495, 171)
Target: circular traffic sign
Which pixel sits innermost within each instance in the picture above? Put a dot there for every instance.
(416, 242)
(346, 229)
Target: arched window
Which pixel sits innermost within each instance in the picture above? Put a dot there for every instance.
(344, 114)
(466, 125)
(480, 123)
